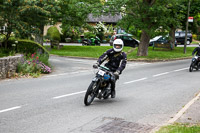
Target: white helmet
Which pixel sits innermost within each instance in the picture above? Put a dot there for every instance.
(118, 45)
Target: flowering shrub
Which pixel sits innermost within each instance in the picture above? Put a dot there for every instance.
(34, 65)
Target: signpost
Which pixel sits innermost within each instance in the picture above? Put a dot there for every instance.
(188, 13)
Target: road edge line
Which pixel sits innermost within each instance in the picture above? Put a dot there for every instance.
(184, 109)
(179, 114)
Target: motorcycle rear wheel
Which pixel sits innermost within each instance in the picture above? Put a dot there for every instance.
(90, 94)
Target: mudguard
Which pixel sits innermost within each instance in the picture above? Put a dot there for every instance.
(95, 79)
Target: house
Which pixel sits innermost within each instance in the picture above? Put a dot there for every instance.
(107, 19)
(93, 20)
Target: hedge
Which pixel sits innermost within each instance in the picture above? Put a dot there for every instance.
(26, 46)
(53, 34)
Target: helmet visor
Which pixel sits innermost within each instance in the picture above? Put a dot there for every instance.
(118, 46)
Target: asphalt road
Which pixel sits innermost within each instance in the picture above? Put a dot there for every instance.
(148, 95)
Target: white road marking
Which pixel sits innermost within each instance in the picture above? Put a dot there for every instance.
(156, 75)
(136, 64)
(61, 74)
(77, 60)
(9, 109)
(67, 95)
(161, 74)
(135, 80)
(170, 72)
(55, 60)
(182, 111)
(181, 69)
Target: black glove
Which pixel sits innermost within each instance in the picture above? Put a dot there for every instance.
(116, 73)
(96, 65)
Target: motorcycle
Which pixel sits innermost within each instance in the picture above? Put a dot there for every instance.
(100, 87)
(92, 42)
(195, 63)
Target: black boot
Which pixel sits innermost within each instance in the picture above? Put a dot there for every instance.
(113, 93)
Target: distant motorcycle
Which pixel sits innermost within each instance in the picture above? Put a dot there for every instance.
(91, 42)
(100, 85)
(195, 64)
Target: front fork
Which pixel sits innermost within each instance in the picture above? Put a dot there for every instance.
(98, 83)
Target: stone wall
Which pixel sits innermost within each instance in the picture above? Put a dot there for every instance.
(8, 66)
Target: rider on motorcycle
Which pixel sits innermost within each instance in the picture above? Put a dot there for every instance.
(116, 62)
(197, 51)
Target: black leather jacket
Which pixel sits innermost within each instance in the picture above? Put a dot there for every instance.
(116, 60)
(197, 51)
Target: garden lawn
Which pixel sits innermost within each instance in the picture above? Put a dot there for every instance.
(163, 54)
(96, 51)
(82, 51)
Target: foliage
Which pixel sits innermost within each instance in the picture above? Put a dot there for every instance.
(2, 38)
(73, 13)
(6, 52)
(194, 12)
(15, 16)
(34, 65)
(26, 46)
(72, 32)
(100, 29)
(53, 34)
(89, 35)
(147, 16)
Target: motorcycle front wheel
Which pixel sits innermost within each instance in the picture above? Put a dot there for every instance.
(90, 94)
(191, 67)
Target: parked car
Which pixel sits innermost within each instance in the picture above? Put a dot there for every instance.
(126, 38)
(180, 37)
(160, 40)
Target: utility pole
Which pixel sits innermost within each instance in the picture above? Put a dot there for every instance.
(188, 13)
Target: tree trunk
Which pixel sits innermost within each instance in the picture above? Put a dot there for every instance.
(144, 44)
(6, 40)
(172, 37)
(39, 39)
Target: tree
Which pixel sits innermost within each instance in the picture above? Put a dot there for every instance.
(9, 15)
(74, 13)
(41, 12)
(26, 17)
(194, 12)
(147, 15)
(173, 21)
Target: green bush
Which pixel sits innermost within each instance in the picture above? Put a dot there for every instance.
(2, 38)
(6, 52)
(26, 46)
(89, 35)
(53, 34)
(198, 37)
(194, 36)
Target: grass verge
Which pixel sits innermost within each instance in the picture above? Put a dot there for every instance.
(180, 128)
(82, 51)
(96, 51)
(163, 54)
